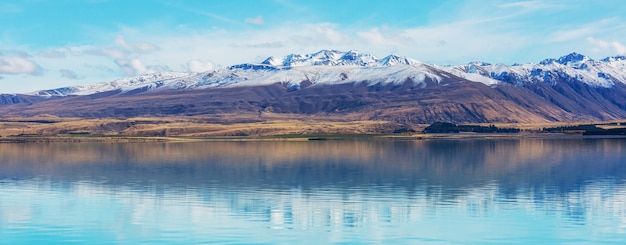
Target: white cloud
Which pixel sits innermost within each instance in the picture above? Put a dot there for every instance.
(144, 47)
(133, 67)
(572, 34)
(533, 5)
(318, 34)
(123, 49)
(579, 33)
(52, 53)
(332, 35)
(373, 36)
(376, 37)
(69, 74)
(601, 45)
(15, 53)
(619, 47)
(446, 44)
(200, 65)
(128, 56)
(111, 52)
(19, 65)
(197, 11)
(158, 68)
(255, 21)
(271, 45)
(137, 47)
(120, 41)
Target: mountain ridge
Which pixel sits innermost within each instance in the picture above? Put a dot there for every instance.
(573, 87)
(491, 73)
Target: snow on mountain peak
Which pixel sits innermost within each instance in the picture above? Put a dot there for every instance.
(572, 58)
(355, 58)
(351, 55)
(326, 54)
(547, 61)
(614, 58)
(479, 63)
(153, 80)
(272, 61)
(393, 59)
(570, 68)
(324, 58)
(338, 58)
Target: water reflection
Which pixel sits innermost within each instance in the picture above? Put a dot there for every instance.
(471, 191)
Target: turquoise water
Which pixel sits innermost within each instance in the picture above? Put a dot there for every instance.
(552, 191)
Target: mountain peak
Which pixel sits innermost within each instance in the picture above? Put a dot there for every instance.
(327, 57)
(573, 58)
(479, 63)
(272, 61)
(614, 58)
(323, 57)
(351, 55)
(393, 59)
(328, 53)
(547, 61)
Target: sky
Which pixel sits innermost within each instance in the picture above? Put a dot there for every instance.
(47, 44)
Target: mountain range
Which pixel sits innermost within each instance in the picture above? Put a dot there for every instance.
(354, 86)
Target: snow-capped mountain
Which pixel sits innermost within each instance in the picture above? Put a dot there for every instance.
(569, 88)
(571, 68)
(336, 58)
(333, 67)
(149, 81)
(323, 67)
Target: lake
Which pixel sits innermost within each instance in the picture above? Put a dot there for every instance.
(467, 191)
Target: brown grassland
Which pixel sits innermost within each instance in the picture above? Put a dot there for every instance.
(225, 126)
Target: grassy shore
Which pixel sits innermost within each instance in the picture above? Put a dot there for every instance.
(135, 139)
(188, 127)
(47, 128)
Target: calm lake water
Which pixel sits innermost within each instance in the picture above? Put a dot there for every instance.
(523, 191)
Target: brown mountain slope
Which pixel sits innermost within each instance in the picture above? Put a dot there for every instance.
(454, 99)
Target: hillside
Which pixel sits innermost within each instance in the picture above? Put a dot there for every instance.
(354, 86)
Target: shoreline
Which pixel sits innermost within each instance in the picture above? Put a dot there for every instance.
(48, 128)
(453, 136)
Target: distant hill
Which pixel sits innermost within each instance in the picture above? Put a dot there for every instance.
(355, 86)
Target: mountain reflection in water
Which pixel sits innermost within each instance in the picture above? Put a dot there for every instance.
(474, 191)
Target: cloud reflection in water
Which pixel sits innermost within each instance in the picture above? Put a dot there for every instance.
(474, 191)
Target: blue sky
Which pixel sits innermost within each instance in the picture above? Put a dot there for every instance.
(54, 43)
